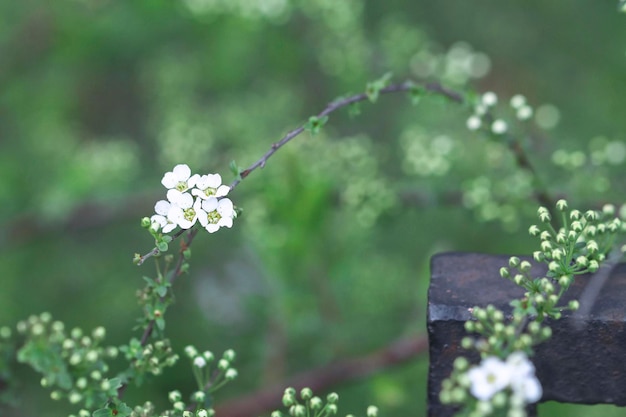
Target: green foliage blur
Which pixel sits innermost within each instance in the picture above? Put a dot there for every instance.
(98, 98)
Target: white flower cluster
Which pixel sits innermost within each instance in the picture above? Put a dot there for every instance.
(494, 375)
(498, 126)
(192, 198)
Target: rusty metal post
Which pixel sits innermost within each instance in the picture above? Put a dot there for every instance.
(582, 363)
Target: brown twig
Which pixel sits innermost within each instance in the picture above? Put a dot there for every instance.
(322, 379)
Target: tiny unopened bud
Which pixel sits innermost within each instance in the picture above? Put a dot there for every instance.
(467, 343)
(229, 355)
(316, 403)
(461, 363)
(504, 272)
(299, 411)
(534, 230)
(332, 397)
(565, 280)
(306, 393)
(372, 411)
(573, 305)
(525, 266)
(514, 261)
(198, 397)
(223, 364)
(99, 333)
(231, 373)
(191, 351)
(199, 362)
(561, 205)
(593, 266)
(208, 355)
(145, 222)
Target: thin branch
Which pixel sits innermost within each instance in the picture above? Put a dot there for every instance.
(344, 102)
(326, 377)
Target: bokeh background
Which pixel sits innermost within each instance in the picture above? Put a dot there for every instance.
(329, 261)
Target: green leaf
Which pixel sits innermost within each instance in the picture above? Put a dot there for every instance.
(234, 168)
(315, 123)
(166, 238)
(160, 322)
(103, 412)
(162, 246)
(372, 90)
(161, 290)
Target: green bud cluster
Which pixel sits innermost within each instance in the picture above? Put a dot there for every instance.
(307, 404)
(150, 358)
(210, 372)
(578, 247)
(73, 364)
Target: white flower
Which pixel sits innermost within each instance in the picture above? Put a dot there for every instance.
(216, 213)
(473, 123)
(489, 99)
(162, 209)
(179, 178)
(208, 186)
(492, 376)
(524, 382)
(498, 127)
(183, 211)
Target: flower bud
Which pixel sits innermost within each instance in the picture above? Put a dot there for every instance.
(145, 222)
(372, 411)
(231, 373)
(332, 398)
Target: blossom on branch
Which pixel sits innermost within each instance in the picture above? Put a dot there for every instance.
(517, 373)
(179, 178)
(184, 212)
(191, 198)
(162, 209)
(208, 186)
(216, 213)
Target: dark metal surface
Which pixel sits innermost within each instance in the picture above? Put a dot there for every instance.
(584, 364)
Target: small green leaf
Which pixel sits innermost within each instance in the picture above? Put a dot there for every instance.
(372, 90)
(160, 322)
(166, 238)
(234, 168)
(162, 246)
(161, 290)
(315, 124)
(103, 412)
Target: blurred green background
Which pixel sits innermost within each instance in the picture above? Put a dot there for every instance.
(329, 261)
